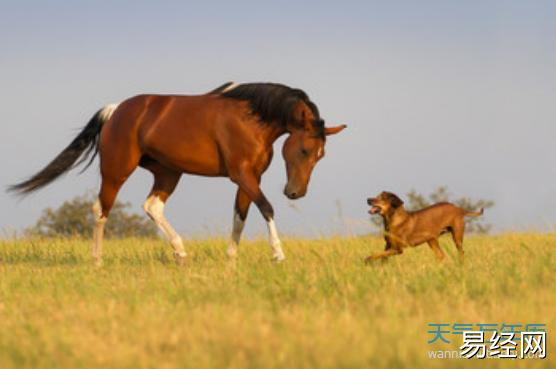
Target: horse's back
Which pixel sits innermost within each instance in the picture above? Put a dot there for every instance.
(179, 131)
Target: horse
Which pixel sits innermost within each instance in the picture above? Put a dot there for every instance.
(227, 132)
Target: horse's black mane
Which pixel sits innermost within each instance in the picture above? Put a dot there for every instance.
(272, 102)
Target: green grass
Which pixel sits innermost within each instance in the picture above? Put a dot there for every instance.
(321, 308)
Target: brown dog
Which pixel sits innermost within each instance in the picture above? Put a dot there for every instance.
(411, 228)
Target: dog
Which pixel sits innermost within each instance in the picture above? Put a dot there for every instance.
(412, 228)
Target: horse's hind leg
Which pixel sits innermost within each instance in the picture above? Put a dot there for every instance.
(108, 191)
(165, 181)
(117, 163)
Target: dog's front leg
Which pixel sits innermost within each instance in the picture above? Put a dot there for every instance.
(389, 251)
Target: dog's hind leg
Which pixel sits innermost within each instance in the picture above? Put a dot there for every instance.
(457, 230)
(435, 247)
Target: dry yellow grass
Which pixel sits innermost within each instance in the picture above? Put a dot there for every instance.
(321, 308)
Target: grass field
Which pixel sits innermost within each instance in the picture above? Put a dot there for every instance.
(321, 308)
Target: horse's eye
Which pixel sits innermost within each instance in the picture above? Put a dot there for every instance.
(304, 152)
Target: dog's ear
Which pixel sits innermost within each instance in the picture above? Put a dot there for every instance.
(395, 201)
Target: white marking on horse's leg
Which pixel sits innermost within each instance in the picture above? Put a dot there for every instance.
(275, 244)
(236, 235)
(98, 233)
(230, 87)
(155, 209)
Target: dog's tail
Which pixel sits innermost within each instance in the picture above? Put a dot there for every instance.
(474, 213)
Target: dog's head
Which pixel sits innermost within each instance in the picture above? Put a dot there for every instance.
(384, 204)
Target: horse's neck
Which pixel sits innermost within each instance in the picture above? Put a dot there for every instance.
(272, 133)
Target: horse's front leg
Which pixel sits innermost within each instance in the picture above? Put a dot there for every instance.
(241, 209)
(249, 184)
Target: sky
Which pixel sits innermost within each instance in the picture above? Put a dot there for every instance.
(454, 93)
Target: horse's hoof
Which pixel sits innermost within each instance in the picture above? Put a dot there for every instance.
(181, 260)
(97, 262)
(278, 258)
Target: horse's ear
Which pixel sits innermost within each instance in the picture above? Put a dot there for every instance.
(307, 123)
(333, 130)
(299, 120)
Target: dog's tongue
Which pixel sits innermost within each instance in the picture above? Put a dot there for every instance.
(374, 209)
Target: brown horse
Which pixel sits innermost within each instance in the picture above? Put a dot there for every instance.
(227, 132)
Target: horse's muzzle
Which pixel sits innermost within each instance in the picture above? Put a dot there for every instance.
(293, 194)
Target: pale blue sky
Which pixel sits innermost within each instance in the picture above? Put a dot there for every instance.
(456, 93)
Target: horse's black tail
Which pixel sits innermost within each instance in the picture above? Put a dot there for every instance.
(76, 153)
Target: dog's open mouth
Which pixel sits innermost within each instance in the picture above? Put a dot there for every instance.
(374, 209)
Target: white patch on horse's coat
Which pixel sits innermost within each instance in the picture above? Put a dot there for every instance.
(230, 87)
(278, 253)
(154, 207)
(319, 153)
(236, 235)
(107, 111)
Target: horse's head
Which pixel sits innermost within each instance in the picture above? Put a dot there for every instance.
(304, 148)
